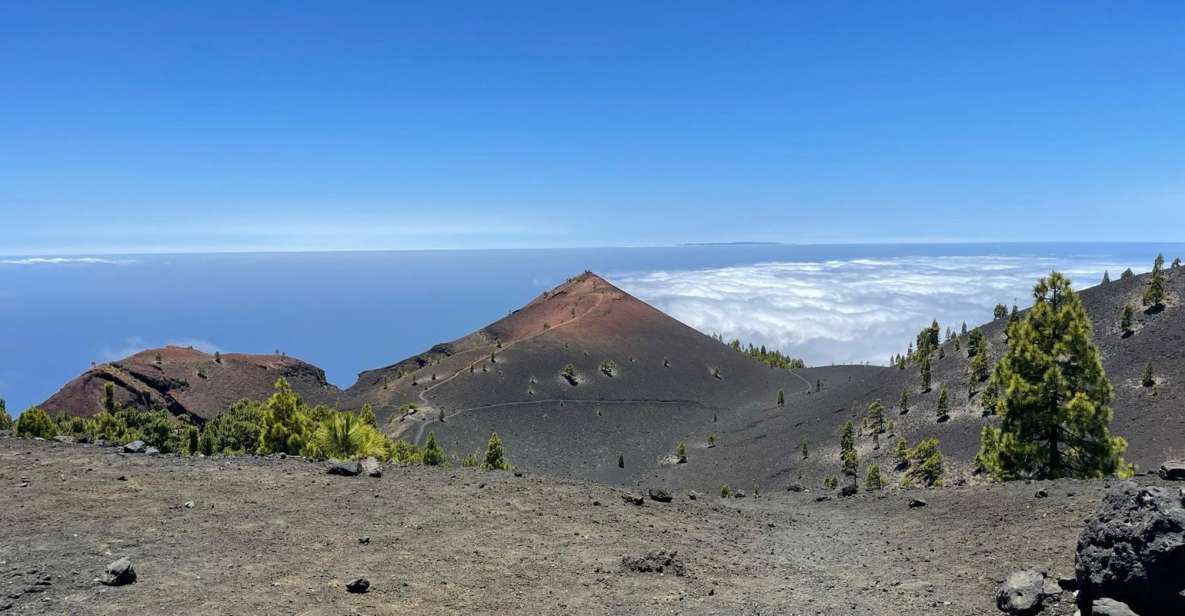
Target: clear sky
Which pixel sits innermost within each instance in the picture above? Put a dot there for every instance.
(155, 126)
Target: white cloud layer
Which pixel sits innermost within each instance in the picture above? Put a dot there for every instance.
(65, 261)
(861, 310)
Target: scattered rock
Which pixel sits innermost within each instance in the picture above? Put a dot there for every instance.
(633, 499)
(660, 495)
(915, 502)
(655, 562)
(1133, 550)
(693, 495)
(371, 467)
(62, 438)
(350, 468)
(1110, 607)
(364, 540)
(1042, 493)
(189, 504)
(822, 497)
(1069, 584)
(151, 451)
(739, 494)
(134, 447)
(119, 573)
(358, 586)
(1173, 470)
(848, 491)
(795, 487)
(1024, 592)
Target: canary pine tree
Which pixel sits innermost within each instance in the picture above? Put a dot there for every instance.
(1054, 396)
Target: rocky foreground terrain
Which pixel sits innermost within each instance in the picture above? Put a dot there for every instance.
(247, 535)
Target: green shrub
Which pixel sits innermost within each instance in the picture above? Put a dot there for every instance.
(284, 423)
(925, 464)
(830, 482)
(234, 431)
(5, 418)
(681, 451)
(725, 491)
(346, 437)
(874, 480)
(35, 423)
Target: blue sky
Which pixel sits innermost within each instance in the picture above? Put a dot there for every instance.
(156, 127)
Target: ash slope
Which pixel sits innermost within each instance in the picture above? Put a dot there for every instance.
(446, 541)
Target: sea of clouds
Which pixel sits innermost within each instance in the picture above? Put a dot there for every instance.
(854, 311)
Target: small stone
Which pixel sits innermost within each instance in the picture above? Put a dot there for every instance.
(633, 499)
(358, 586)
(364, 540)
(134, 447)
(189, 504)
(1042, 493)
(62, 438)
(349, 468)
(659, 495)
(1023, 593)
(371, 467)
(1173, 470)
(119, 573)
(914, 503)
(151, 451)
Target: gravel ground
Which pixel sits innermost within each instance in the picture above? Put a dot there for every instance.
(281, 536)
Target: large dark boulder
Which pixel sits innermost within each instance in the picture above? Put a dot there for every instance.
(135, 447)
(1133, 550)
(659, 495)
(1110, 607)
(345, 468)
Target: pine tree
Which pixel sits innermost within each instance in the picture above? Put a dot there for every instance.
(284, 423)
(980, 368)
(1148, 380)
(1125, 321)
(781, 399)
(109, 405)
(1055, 398)
(217, 357)
(943, 404)
(495, 458)
(876, 417)
(1127, 274)
(805, 451)
(963, 330)
(1106, 276)
(999, 312)
(926, 375)
(847, 452)
(974, 341)
(903, 403)
(681, 452)
(901, 453)
(1176, 262)
(433, 454)
(36, 423)
(1154, 293)
(192, 441)
(925, 464)
(620, 460)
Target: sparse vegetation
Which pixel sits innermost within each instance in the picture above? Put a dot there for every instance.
(609, 367)
(805, 449)
(681, 452)
(5, 418)
(849, 463)
(725, 491)
(903, 403)
(1127, 274)
(770, 357)
(999, 312)
(830, 482)
(1125, 320)
(781, 399)
(1148, 379)
(1056, 402)
(711, 441)
(975, 340)
(433, 453)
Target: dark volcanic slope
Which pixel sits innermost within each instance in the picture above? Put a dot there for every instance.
(187, 381)
(670, 384)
